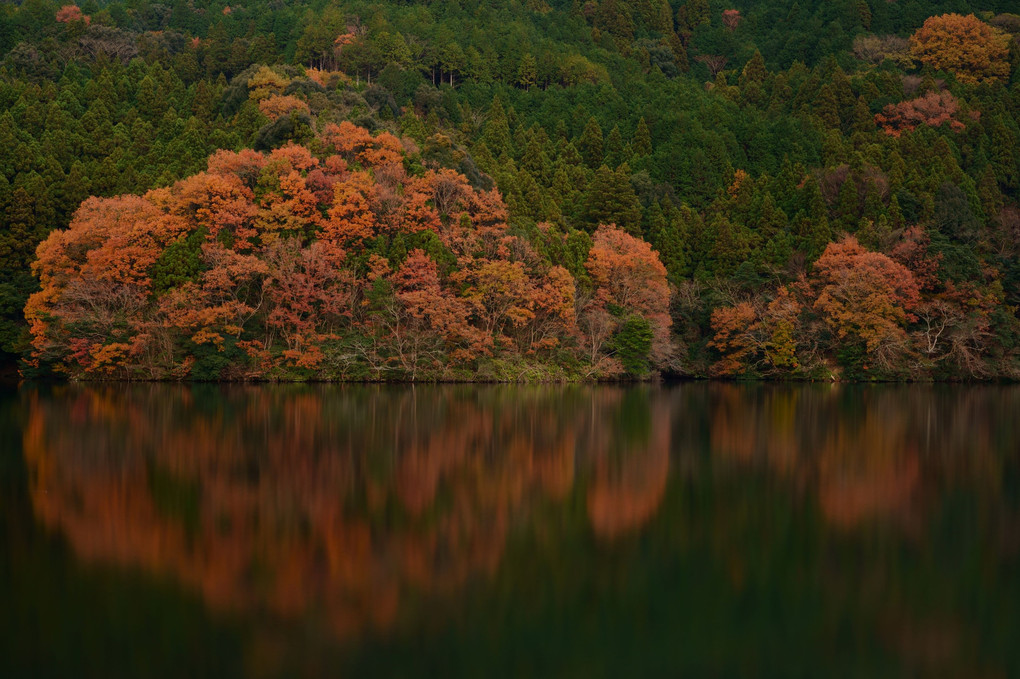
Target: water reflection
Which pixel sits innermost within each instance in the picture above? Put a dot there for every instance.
(340, 498)
(354, 505)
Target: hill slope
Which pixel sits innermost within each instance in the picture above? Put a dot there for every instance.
(742, 140)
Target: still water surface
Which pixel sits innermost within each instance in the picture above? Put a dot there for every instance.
(699, 529)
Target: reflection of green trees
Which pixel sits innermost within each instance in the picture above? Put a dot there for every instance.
(524, 531)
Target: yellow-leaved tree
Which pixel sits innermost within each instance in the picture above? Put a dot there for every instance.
(965, 46)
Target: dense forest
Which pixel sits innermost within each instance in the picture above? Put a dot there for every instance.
(506, 190)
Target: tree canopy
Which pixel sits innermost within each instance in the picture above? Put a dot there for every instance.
(736, 141)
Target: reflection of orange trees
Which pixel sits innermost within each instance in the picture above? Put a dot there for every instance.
(861, 469)
(627, 490)
(860, 453)
(750, 428)
(329, 502)
(871, 471)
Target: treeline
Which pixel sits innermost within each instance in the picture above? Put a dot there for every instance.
(738, 140)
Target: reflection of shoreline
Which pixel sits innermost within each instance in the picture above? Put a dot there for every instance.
(336, 501)
(352, 503)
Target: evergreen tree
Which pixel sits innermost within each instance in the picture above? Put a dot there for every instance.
(612, 200)
(527, 75)
(590, 144)
(642, 139)
(615, 154)
(496, 133)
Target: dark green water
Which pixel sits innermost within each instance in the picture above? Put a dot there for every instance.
(694, 529)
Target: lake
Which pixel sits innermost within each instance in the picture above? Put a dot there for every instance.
(707, 529)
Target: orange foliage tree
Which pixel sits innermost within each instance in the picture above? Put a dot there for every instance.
(277, 106)
(757, 335)
(71, 13)
(288, 264)
(629, 281)
(965, 46)
(864, 297)
(933, 109)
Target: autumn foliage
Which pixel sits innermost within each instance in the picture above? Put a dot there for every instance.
(757, 334)
(863, 296)
(965, 46)
(934, 109)
(880, 315)
(277, 106)
(70, 14)
(630, 281)
(340, 265)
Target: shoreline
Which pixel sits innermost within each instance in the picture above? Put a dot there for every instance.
(9, 380)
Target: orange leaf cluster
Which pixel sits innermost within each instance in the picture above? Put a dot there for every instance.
(863, 294)
(894, 309)
(288, 264)
(934, 109)
(762, 335)
(278, 106)
(965, 46)
(70, 14)
(628, 275)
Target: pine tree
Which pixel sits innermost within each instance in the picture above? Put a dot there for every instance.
(988, 192)
(1004, 156)
(732, 245)
(612, 200)
(895, 213)
(615, 152)
(778, 250)
(496, 133)
(752, 80)
(848, 205)
(527, 74)
(864, 121)
(22, 232)
(680, 58)
(768, 218)
(642, 140)
(668, 235)
(536, 161)
(691, 15)
(590, 144)
(814, 234)
(826, 107)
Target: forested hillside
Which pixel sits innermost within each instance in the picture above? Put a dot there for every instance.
(448, 190)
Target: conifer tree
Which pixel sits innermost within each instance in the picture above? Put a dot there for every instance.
(614, 150)
(496, 133)
(590, 144)
(527, 74)
(612, 200)
(642, 139)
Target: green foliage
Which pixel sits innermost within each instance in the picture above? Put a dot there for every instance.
(179, 263)
(212, 363)
(632, 343)
(612, 200)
